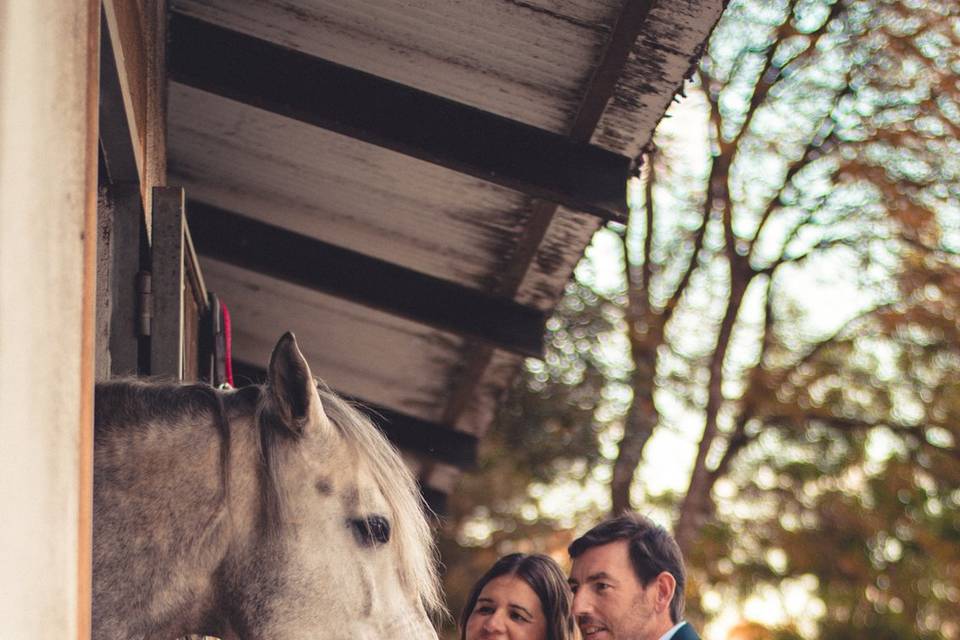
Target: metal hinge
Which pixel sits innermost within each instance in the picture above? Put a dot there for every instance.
(144, 303)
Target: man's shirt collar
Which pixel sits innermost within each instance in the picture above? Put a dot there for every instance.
(673, 630)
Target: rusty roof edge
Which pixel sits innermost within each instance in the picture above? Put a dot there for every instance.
(629, 24)
(600, 89)
(639, 148)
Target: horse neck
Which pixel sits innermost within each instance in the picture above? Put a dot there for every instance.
(178, 479)
(160, 516)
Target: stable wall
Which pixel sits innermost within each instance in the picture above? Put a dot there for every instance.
(48, 156)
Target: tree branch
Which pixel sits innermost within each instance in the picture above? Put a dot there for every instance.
(784, 259)
(698, 238)
(781, 376)
(648, 211)
(769, 75)
(772, 74)
(739, 438)
(912, 432)
(697, 502)
(816, 148)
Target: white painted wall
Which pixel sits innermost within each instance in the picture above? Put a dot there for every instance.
(45, 124)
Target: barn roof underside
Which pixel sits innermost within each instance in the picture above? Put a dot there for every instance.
(425, 174)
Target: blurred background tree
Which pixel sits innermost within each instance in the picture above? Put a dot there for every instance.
(768, 355)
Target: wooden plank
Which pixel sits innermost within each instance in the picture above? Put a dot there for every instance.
(116, 139)
(166, 267)
(104, 307)
(191, 336)
(129, 237)
(391, 115)
(136, 34)
(311, 263)
(439, 442)
(124, 30)
(90, 27)
(629, 25)
(411, 433)
(196, 308)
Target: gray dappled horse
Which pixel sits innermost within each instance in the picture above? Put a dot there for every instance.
(270, 513)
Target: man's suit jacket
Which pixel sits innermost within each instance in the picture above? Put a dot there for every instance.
(685, 632)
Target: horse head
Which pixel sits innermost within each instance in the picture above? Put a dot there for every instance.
(267, 512)
(343, 551)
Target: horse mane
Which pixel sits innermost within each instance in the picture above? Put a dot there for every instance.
(417, 552)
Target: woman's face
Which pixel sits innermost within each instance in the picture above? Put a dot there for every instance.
(509, 609)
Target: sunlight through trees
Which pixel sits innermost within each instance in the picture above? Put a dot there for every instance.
(780, 335)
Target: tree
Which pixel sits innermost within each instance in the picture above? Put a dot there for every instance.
(854, 473)
(829, 144)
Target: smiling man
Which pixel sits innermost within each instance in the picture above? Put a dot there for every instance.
(627, 581)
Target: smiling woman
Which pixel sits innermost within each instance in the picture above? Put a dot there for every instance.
(521, 597)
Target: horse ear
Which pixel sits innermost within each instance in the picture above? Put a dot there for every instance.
(291, 386)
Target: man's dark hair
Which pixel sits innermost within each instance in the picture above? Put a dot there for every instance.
(652, 551)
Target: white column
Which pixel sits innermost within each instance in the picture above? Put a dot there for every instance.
(48, 98)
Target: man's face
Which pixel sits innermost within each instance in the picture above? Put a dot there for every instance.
(609, 602)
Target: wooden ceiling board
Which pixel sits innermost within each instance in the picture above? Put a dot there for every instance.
(528, 61)
(481, 408)
(360, 352)
(342, 191)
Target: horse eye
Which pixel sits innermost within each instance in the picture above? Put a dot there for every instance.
(371, 531)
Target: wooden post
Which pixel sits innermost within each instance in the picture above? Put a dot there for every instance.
(120, 217)
(167, 269)
(48, 175)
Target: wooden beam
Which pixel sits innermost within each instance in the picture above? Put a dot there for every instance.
(124, 33)
(116, 141)
(48, 230)
(388, 114)
(440, 443)
(311, 263)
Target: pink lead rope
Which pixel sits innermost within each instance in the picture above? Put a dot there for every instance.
(228, 353)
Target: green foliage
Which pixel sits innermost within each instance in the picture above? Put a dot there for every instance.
(552, 417)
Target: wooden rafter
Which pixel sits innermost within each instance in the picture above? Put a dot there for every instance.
(116, 143)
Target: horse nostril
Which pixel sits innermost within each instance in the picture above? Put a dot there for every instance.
(371, 531)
